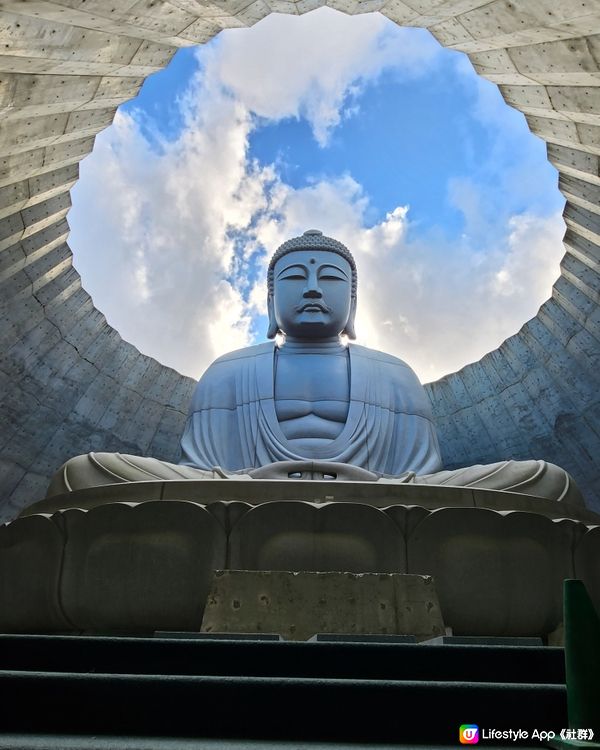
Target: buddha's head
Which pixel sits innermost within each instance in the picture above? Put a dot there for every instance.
(312, 288)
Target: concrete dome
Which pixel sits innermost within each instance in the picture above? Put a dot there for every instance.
(70, 384)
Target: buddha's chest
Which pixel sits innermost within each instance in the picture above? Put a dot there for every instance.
(312, 393)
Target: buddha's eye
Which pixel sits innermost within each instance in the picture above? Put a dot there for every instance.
(293, 273)
(331, 273)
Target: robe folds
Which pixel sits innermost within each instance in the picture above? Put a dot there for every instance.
(232, 422)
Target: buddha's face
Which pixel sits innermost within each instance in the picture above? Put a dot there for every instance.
(312, 294)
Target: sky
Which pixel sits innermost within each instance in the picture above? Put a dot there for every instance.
(373, 134)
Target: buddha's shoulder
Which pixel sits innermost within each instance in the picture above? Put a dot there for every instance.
(219, 385)
(380, 358)
(228, 365)
(398, 388)
(247, 353)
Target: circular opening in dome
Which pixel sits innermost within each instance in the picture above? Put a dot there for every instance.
(372, 133)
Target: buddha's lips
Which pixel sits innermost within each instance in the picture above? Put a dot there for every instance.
(312, 306)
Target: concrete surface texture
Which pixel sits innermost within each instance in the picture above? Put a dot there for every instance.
(300, 605)
(70, 384)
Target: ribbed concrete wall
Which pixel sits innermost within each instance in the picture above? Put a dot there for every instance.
(70, 384)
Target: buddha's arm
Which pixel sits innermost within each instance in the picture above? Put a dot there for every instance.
(210, 428)
(220, 427)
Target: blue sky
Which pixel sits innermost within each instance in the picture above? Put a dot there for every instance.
(373, 134)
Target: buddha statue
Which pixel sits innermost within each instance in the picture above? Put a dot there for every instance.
(313, 406)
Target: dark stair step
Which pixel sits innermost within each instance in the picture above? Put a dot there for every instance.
(299, 709)
(372, 661)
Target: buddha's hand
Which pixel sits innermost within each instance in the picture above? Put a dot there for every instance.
(324, 471)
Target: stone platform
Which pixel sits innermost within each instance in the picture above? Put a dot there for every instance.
(138, 558)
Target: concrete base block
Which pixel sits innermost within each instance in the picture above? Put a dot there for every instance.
(299, 605)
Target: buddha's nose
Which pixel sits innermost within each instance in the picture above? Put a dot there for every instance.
(312, 288)
(312, 292)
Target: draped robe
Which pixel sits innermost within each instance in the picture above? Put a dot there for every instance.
(232, 422)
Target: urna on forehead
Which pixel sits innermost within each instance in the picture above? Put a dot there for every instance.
(315, 240)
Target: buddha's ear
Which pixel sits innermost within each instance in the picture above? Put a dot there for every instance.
(273, 328)
(349, 328)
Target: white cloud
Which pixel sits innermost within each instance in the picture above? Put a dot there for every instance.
(321, 60)
(435, 304)
(166, 240)
(531, 264)
(446, 305)
(151, 234)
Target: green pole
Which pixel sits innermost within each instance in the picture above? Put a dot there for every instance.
(582, 657)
